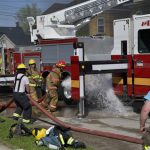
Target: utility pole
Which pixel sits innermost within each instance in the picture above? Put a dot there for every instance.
(2, 45)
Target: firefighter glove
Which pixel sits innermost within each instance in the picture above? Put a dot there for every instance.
(78, 144)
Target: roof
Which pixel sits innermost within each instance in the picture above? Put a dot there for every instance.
(59, 6)
(16, 35)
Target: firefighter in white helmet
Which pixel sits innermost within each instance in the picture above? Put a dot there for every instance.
(53, 81)
(21, 89)
(35, 80)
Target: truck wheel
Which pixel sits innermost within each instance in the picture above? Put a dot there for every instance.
(65, 95)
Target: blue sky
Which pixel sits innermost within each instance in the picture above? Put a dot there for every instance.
(8, 9)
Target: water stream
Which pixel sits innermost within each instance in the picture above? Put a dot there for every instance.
(99, 95)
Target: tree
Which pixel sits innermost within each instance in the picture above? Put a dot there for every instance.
(23, 13)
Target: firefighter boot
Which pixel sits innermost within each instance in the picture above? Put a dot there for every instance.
(54, 101)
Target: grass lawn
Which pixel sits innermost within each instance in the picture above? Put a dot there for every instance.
(19, 142)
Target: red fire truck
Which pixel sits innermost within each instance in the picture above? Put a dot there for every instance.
(54, 37)
(131, 42)
(130, 59)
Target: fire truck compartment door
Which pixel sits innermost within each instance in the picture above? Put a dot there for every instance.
(141, 57)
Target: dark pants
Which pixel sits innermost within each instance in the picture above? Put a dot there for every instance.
(22, 105)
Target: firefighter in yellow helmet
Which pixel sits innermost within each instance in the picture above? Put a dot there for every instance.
(20, 95)
(53, 81)
(39, 133)
(35, 80)
(56, 137)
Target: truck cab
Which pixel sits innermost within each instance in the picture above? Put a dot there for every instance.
(132, 42)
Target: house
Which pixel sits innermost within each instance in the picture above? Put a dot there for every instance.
(14, 37)
(102, 24)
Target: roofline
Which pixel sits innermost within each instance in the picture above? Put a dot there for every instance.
(4, 35)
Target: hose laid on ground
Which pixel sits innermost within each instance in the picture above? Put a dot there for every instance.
(10, 104)
(85, 130)
(5, 106)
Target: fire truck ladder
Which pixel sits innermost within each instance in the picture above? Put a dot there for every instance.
(64, 23)
(89, 9)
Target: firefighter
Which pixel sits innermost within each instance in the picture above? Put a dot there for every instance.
(20, 95)
(35, 80)
(53, 81)
(144, 112)
(56, 137)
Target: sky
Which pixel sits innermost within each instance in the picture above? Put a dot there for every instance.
(8, 9)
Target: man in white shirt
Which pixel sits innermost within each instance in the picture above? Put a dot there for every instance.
(21, 89)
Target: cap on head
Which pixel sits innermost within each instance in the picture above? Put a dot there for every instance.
(61, 63)
(21, 66)
(32, 61)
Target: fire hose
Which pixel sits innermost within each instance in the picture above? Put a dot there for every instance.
(77, 129)
(85, 130)
(10, 104)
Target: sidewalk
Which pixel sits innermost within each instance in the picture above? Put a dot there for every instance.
(3, 147)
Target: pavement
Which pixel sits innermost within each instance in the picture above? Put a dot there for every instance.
(124, 124)
(127, 124)
(3, 147)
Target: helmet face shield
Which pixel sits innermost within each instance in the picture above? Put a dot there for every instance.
(61, 64)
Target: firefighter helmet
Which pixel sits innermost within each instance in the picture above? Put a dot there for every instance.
(39, 133)
(61, 63)
(147, 97)
(21, 66)
(32, 61)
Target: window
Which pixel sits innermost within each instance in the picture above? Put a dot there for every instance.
(53, 53)
(100, 25)
(144, 41)
(123, 48)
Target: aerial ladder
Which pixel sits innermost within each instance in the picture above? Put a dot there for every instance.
(64, 23)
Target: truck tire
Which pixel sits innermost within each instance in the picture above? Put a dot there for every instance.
(64, 95)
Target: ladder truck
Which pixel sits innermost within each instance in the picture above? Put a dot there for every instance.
(55, 35)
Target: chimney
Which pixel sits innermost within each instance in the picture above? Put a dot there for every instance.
(17, 24)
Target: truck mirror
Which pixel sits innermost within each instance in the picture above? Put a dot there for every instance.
(78, 45)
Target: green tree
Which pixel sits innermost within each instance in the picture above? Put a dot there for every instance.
(23, 13)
